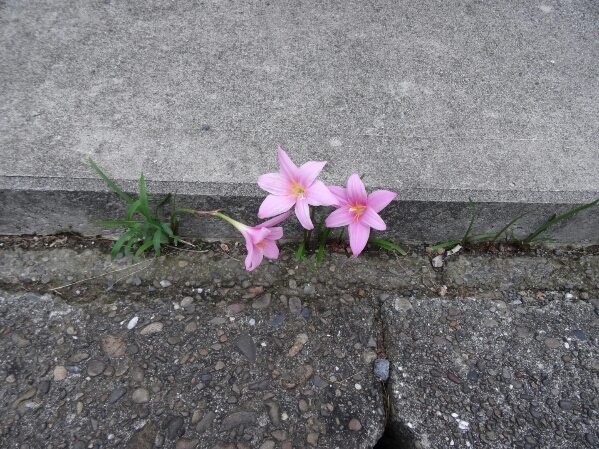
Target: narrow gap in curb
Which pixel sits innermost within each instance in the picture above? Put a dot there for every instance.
(396, 436)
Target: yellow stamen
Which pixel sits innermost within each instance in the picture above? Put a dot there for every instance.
(297, 190)
(358, 209)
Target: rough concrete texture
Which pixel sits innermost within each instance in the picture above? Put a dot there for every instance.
(437, 101)
(481, 373)
(191, 351)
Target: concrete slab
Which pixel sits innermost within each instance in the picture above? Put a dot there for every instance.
(471, 372)
(437, 101)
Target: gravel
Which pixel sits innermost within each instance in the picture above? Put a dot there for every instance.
(191, 350)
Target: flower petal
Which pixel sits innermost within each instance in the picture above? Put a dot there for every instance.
(271, 250)
(302, 210)
(253, 259)
(275, 205)
(274, 183)
(356, 192)
(379, 199)
(275, 234)
(255, 235)
(274, 221)
(372, 219)
(308, 172)
(251, 249)
(288, 168)
(318, 195)
(358, 237)
(340, 193)
(340, 217)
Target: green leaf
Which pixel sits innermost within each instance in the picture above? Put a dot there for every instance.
(322, 245)
(144, 208)
(471, 204)
(446, 244)
(557, 219)
(157, 241)
(386, 244)
(166, 227)
(311, 266)
(507, 226)
(122, 239)
(127, 223)
(132, 209)
(143, 247)
(129, 245)
(300, 251)
(161, 202)
(111, 184)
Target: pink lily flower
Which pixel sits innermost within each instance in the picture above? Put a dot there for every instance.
(294, 186)
(359, 211)
(260, 239)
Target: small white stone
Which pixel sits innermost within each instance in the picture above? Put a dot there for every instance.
(165, 283)
(567, 345)
(133, 322)
(252, 321)
(438, 262)
(284, 416)
(358, 387)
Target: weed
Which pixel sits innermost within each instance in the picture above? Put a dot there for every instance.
(149, 231)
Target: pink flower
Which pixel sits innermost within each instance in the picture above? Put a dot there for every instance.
(359, 211)
(294, 186)
(259, 240)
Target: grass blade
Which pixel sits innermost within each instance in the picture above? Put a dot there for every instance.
(157, 241)
(311, 266)
(143, 247)
(167, 229)
(119, 243)
(161, 202)
(144, 208)
(322, 245)
(386, 244)
(446, 244)
(129, 224)
(507, 226)
(132, 209)
(111, 184)
(557, 219)
(130, 243)
(471, 204)
(300, 251)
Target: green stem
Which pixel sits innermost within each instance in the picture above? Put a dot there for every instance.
(196, 212)
(340, 235)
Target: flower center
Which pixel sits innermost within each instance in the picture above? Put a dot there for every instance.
(260, 245)
(358, 209)
(298, 190)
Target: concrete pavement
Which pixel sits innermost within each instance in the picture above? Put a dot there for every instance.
(437, 101)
